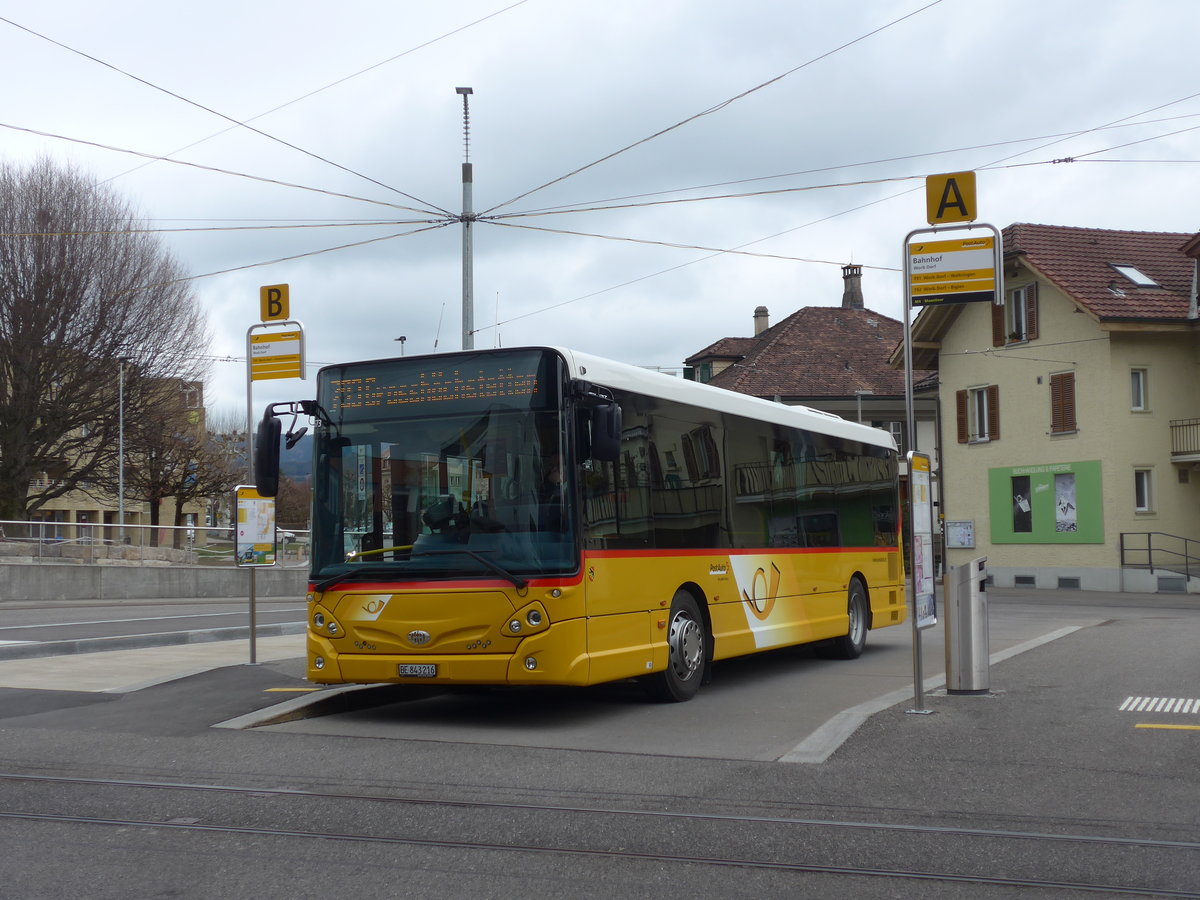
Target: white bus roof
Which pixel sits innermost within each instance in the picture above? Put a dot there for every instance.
(623, 376)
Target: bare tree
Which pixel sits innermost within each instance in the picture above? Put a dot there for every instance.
(88, 300)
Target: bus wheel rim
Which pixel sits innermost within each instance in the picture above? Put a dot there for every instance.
(687, 645)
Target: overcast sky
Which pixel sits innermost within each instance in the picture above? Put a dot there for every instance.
(814, 124)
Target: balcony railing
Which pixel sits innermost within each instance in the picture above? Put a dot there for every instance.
(1185, 440)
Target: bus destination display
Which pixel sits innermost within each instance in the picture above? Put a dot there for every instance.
(373, 388)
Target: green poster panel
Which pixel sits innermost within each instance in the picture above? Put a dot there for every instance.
(1057, 503)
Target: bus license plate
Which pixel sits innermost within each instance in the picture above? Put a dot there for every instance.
(418, 670)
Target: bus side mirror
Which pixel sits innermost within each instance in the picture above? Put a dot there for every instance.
(266, 455)
(606, 432)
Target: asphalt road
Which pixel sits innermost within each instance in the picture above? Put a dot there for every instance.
(1051, 785)
(46, 629)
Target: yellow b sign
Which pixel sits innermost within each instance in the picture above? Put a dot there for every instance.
(950, 198)
(273, 302)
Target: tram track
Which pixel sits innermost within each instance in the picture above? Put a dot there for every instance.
(780, 844)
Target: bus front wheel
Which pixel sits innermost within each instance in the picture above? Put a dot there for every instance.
(850, 645)
(687, 642)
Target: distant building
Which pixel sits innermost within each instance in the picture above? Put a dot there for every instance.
(833, 358)
(1072, 450)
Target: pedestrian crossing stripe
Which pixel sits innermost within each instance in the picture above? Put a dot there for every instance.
(1179, 705)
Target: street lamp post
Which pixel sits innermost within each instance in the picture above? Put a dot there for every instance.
(121, 449)
(468, 216)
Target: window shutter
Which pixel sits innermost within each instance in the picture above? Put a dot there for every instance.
(1062, 403)
(1031, 311)
(960, 405)
(993, 401)
(997, 325)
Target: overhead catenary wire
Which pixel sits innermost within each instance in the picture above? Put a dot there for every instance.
(715, 108)
(216, 169)
(839, 167)
(216, 113)
(282, 259)
(330, 85)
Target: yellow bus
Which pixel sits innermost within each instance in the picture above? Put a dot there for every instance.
(539, 516)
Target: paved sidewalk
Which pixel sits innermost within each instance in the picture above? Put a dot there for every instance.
(120, 671)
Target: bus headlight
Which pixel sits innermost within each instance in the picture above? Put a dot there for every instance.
(534, 618)
(319, 620)
(515, 626)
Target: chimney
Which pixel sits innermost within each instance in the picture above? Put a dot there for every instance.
(761, 322)
(852, 296)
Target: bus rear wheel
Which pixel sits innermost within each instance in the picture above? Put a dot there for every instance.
(687, 642)
(850, 645)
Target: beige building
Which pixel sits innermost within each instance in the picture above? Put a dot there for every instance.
(1071, 435)
(92, 516)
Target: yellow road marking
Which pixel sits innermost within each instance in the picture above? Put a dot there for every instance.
(301, 690)
(1172, 727)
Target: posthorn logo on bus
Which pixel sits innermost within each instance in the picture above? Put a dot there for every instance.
(419, 638)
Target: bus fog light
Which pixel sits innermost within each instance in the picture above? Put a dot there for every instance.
(530, 663)
(515, 626)
(534, 618)
(319, 662)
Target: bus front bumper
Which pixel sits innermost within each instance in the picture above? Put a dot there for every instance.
(538, 659)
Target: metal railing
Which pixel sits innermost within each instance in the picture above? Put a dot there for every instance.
(47, 540)
(1185, 437)
(1155, 550)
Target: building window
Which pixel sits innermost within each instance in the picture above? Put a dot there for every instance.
(1137, 390)
(1136, 275)
(1143, 494)
(978, 413)
(1017, 319)
(897, 430)
(1062, 403)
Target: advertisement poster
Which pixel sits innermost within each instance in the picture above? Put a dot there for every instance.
(921, 515)
(254, 534)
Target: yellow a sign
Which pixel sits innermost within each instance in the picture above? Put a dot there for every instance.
(950, 198)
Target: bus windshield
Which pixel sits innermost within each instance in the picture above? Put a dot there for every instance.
(455, 468)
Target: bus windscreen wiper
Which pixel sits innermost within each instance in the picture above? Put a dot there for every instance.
(517, 580)
(322, 586)
(358, 571)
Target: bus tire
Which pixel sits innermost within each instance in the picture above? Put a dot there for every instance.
(687, 642)
(850, 645)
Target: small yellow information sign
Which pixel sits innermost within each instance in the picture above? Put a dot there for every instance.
(961, 270)
(950, 198)
(276, 354)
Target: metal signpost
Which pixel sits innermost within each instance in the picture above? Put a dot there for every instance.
(269, 355)
(944, 271)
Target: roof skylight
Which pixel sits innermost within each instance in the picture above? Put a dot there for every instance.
(1134, 274)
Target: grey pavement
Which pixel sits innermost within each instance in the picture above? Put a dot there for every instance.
(1020, 621)
(1053, 774)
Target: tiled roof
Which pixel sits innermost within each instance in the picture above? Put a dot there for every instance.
(1080, 262)
(820, 351)
(725, 348)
